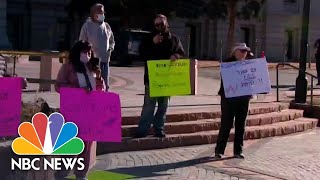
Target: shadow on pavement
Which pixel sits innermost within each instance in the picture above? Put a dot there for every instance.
(160, 170)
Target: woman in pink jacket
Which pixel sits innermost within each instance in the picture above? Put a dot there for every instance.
(81, 72)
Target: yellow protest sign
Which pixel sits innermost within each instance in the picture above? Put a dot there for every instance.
(169, 78)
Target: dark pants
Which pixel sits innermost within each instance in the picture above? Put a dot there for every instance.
(318, 66)
(147, 115)
(233, 110)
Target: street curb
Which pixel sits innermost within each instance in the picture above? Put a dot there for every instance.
(308, 111)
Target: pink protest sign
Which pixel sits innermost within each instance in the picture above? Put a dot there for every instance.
(97, 114)
(10, 106)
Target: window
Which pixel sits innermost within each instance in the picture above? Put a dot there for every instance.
(291, 6)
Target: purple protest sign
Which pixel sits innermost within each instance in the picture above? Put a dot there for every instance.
(10, 106)
(97, 114)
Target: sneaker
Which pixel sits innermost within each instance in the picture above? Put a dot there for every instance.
(239, 156)
(160, 135)
(218, 156)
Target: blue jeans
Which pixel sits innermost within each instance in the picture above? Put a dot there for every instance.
(105, 72)
(147, 115)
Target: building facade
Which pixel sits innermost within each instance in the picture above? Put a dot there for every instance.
(41, 24)
(277, 32)
(31, 24)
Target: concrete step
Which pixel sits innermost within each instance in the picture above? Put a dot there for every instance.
(178, 114)
(214, 124)
(207, 137)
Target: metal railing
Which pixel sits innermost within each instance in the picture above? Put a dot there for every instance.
(16, 54)
(297, 68)
(47, 63)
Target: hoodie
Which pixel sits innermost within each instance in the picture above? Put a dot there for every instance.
(101, 38)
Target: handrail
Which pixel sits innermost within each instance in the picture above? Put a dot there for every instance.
(17, 54)
(297, 68)
(33, 53)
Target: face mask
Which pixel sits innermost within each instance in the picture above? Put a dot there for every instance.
(84, 58)
(100, 17)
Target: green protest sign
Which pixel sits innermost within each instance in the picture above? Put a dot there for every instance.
(169, 78)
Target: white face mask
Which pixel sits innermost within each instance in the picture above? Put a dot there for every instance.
(100, 17)
(84, 58)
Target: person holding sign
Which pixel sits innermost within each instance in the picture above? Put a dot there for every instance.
(81, 72)
(161, 45)
(233, 110)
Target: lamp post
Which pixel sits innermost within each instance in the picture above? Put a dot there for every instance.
(302, 82)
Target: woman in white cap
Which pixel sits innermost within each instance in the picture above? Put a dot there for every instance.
(235, 108)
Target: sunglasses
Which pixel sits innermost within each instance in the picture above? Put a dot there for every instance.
(243, 51)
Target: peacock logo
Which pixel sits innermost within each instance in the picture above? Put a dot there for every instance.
(48, 136)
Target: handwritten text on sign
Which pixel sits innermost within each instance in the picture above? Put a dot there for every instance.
(10, 106)
(168, 78)
(245, 77)
(97, 114)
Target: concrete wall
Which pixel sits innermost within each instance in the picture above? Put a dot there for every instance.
(281, 17)
(44, 24)
(40, 29)
(205, 35)
(314, 25)
(4, 43)
(269, 31)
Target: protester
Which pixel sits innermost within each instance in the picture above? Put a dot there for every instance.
(317, 46)
(233, 110)
(80, 73)
(99, 34)
(162, 44)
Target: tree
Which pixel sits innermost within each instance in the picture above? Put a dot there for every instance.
(230, 9)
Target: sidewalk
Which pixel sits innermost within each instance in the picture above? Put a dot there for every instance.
(216, 64)
(128, 83)
(290, 157)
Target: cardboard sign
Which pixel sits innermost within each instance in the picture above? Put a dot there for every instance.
(97, 114)
(169, 78)
(247, 77)
(10, 106)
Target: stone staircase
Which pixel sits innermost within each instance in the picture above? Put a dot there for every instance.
(200, 125)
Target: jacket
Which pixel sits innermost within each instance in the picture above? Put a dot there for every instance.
(67, 77)
(170, 45)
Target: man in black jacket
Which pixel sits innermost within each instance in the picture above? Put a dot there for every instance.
(161, 45)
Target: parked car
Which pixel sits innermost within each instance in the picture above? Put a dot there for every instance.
(127, 46)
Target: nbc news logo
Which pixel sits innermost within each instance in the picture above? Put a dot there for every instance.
(48, 136)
